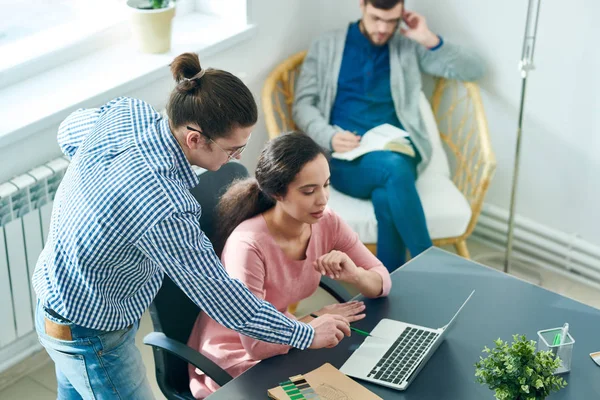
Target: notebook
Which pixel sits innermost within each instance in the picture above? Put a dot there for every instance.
(323, 383)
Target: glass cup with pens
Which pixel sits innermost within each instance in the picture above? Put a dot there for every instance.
(560, 342)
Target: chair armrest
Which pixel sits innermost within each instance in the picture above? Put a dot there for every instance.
(335, 289)
(159, 340)
(278, 95)
(463, 127)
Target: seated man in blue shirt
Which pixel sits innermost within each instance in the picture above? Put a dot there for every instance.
(366, 75)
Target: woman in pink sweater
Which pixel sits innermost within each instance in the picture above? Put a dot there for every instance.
(279, 239)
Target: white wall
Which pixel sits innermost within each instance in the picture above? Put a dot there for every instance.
(558, 186)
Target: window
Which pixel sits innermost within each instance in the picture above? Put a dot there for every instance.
(37, 29)
(42, 34)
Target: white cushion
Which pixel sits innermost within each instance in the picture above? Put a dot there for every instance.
(358, 213)
(446, 210)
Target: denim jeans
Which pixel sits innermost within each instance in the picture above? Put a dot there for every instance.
(95, 364)
(388, 179)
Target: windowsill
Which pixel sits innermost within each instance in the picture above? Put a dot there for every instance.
(46, 99)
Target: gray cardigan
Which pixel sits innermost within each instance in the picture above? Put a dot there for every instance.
(317, 84)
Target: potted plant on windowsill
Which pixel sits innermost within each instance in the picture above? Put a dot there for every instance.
(518, 372)
(151, 22)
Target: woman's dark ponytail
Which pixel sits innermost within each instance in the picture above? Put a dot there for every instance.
(243, 200)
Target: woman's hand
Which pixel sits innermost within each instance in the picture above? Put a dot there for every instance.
(352, 310)
(337, 265)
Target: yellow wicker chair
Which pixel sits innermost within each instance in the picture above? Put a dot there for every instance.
(461, 120)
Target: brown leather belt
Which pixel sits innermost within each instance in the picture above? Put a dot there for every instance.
(59, 331)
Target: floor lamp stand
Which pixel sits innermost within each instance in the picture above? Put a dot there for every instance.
(525, 66)
(511, 264)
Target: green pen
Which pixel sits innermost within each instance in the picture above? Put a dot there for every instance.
(364, 333)
(360, 332)
(556, 341)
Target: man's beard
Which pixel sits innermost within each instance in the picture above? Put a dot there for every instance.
(382, 43)
(370, 36)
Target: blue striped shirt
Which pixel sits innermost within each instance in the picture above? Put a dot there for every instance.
(123, 217)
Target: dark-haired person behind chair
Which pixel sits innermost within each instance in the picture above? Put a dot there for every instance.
(124, 217)
(278, 238)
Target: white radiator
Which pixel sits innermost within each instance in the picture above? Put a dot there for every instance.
(563, 253)
(25, 208)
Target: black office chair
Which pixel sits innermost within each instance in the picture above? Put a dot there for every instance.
(173, 313)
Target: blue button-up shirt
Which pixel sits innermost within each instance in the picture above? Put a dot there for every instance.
(364, 97)
(123, 217)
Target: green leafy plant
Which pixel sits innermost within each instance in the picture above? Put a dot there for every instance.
(518, 372)
(160, 3)
(150, 4)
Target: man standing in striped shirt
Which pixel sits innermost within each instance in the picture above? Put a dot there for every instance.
(123, 217)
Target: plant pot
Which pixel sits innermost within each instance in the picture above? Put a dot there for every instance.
(151, 28)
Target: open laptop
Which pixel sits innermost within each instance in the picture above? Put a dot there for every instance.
(395, 352)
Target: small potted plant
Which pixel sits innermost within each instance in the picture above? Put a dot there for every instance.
(151, 22)
(518, 372)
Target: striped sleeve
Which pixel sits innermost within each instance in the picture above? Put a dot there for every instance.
(76, 127)
(186, 255)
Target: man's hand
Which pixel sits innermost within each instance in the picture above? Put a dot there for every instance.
(329, 331)
(417, 30)
(344, 141)
(351, 310)
(337, 265)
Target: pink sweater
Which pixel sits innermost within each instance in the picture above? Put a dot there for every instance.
(252, 256)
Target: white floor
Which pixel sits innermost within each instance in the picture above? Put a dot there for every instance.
(41, 382)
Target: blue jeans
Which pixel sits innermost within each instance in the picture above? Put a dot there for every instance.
(388, 179)
(95, 364)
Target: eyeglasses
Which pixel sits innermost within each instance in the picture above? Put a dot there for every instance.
(231, 154)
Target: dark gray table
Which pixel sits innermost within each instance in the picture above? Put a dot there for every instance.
(427, 291)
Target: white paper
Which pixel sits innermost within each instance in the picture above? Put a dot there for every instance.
(374, 140)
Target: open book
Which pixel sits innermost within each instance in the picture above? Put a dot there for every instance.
(324, 383)
(382, 137)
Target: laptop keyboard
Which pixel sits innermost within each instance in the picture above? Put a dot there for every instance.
(401, 357)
